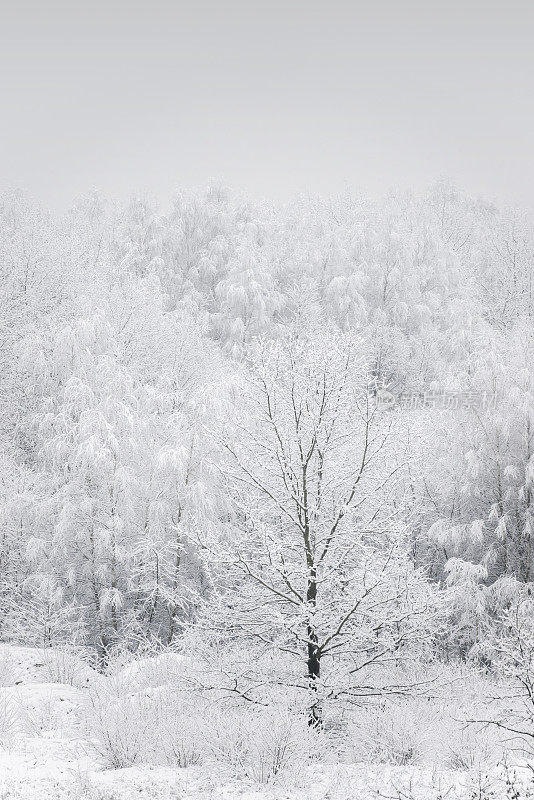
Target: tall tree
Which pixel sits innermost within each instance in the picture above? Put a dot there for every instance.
(316, 548)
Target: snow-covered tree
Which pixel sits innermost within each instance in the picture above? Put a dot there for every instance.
(315, 574)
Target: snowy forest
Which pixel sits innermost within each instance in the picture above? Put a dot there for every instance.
(267, 498)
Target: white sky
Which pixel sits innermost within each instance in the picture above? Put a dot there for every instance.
(272, 97)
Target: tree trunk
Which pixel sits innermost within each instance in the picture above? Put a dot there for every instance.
(314, 671)
(314, 659)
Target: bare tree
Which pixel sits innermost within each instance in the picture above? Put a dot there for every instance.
(315, 563)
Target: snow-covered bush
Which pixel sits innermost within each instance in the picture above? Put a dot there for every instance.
(434, 730)
(68, 667)
(181, 727)
(21, 665)
(151, 726)
(10, 665)
(265, 744)
(36, 708)
(513, 655)
(171, 728)
(468, 746)
(161, 669)
(390, 731)
(10, 719)
(183, 737)
(120, 728)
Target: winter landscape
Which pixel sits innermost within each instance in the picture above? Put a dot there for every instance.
(267, 499)
(266, 438)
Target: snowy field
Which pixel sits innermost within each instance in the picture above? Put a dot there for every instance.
(68, 732)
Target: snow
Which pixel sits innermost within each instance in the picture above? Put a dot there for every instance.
(35, 776)
(161, 670)
(40, 708)
(45, 753)
(21, 665)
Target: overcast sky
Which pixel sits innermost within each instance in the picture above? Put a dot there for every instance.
(273, 98)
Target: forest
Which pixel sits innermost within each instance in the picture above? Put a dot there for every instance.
(267, 497)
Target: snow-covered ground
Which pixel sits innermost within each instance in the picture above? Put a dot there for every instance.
(54, 767)
(46, 751)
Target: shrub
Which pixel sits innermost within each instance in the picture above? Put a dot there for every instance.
(119, 727)
(265, 745)
(391, 731)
